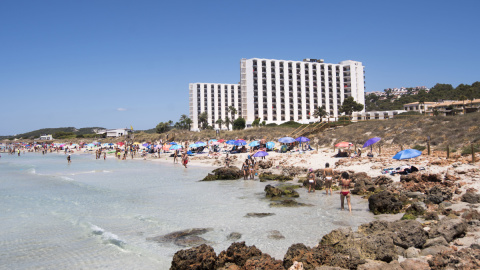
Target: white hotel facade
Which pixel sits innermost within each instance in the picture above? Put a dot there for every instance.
(278, 91)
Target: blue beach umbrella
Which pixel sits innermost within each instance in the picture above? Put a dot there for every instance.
(286, 140)
(302, 139)
(254, 143)
(260, 154)
(407, 153)
(193, 145)
(176, 146)
(270, 145)
(173, 143)
(200, 144)
(212, 140)
(231, 142)
(371, 141)
(240, 142)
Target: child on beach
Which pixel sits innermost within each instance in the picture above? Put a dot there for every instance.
(345, 191)
(311, 180)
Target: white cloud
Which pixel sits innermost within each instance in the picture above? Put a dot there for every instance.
(121, 109)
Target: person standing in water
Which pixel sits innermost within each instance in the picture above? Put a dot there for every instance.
(328, 175)
(69, 160)
(345, 191)
(246, 171)
(311, 180)
(185, 159)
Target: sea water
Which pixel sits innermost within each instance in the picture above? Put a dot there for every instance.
(98, 214)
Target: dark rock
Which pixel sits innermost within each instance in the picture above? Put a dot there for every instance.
(471, 215)
(224, 173)
(276, 235)
(259, 215)
(190, 241)
(438, 194)
(363, 185)
(385, 202)
(268, 176)
(172, 237)
(438, 241)
(433, 250)
(237, 253)
(415, 209)
(382, 180)
(415, 194)
(321, 256)
(411, 252)
(234, 236)
(408, 233)
(466, 258)
(431, 216)
(201, 258)
(414, 264)
(288, 203)
(272, 192)
(471, 197)
(264, 261)
(265, 164)
(449, 228)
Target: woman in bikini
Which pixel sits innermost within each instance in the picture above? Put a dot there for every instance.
(345, 191)
(311, 180)
(245, 169)
(328, 174)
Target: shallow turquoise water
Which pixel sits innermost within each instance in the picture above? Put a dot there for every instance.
(96, 214)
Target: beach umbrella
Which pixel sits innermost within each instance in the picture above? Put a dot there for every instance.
(286, 140)
(120, 143)
(302, 139)
(343, 144)
(166, 147)
(221, 140)
(407, 153)
(172, 143)
(176, 146)
(193, 145)
(200, 144)
(90, 145)
(145, 145)
(212, 140)
(231, 142)
(260, 154)
(254, 143)
(111, 144)
(270, 145)
(215, 143)
(240, 142)
(371, 141)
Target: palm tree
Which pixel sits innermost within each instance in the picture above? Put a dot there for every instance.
(188, 123)
(183, 117)
(219, 122)
(320, 112)
(232, 111)
(203, 120)
(227, 122)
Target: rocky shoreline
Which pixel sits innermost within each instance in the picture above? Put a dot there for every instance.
(436, 226)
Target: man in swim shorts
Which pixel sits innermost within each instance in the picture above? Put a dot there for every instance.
(328, 175)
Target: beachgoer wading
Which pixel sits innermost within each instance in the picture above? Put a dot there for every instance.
(311, 180)
(328, 174)
(345, 191)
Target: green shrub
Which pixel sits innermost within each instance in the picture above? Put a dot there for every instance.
(409, 217)
(419, 147)
(271, 125)
(239, 124)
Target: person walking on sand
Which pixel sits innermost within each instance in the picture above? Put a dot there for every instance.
(345, 191)
(311, 180)
(104, 155)
(328, 175)
(69, 159)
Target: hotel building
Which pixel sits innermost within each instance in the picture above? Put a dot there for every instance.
(278, 91)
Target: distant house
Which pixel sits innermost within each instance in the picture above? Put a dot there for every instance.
(451, 107)
(375, 115)
(417, 107)
(118, 132)
(48, 137)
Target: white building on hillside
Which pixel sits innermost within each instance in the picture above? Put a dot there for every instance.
(278, 91)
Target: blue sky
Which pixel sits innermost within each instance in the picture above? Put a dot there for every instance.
(120, 63)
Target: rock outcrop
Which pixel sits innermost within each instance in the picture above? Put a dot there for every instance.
(224, 173)
(386, 202)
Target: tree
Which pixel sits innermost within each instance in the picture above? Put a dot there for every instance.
(256, 122)
(188, 123)
(463, 98)
(203, 120)
(264, 123)
(227, 122)
(232, 110)
(349, 106)
(320, 112)
(239, 124)
(422, 96)
(162, 127)
(219, 122)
